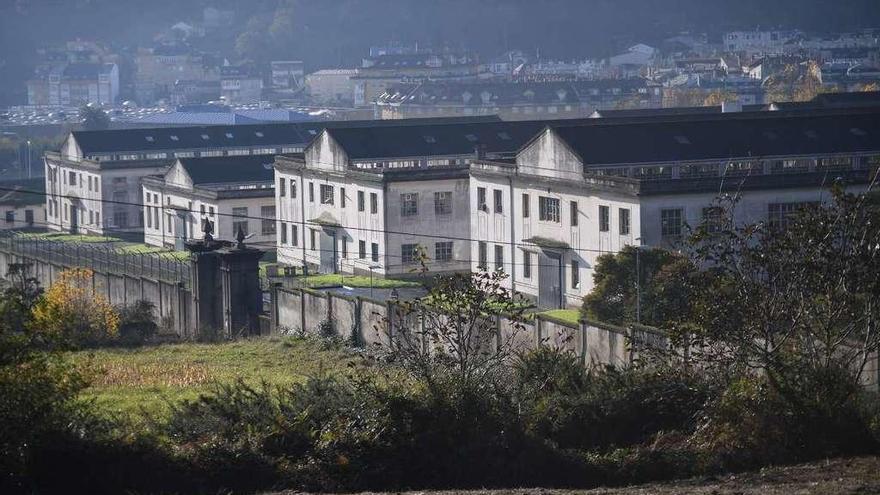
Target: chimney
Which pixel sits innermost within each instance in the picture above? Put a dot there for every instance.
(731, 107)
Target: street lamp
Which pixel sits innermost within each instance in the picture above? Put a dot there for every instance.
(638, 282)
(29, 158)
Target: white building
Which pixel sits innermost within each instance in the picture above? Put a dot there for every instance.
(22, 204)
(233, 193)
(364, 197)
(575, 193)
(331, 86)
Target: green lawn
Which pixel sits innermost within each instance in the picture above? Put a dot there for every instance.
(64, 237)
(568, 315)
(144, 249)
(333, 280)
(130, 382)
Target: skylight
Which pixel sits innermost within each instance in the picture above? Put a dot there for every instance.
(175, 138)
(770, 135)
(471, 137)
(858, 132)
(811, 134)
(205, 137)
(430, 139)
(313, 132)
(229, 135)
(504, 136)
(258, 134)
(149, 139)
(682, 140)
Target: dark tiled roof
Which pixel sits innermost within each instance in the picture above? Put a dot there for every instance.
(434, 140)
(719, 139)
(295, 134)
(229, 169)
(22, 192)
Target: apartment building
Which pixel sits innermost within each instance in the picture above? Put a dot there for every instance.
(577, 192)
(233, 193)
(94, 176)
(361, 199)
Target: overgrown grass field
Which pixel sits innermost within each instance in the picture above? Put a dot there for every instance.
(137, 382)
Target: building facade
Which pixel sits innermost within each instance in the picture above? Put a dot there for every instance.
(233, 193)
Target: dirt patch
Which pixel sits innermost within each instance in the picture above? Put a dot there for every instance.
(857, 476)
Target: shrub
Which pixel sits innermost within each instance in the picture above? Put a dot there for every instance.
(750, 424)
(71, 310)
(600, 408)
(137, 323)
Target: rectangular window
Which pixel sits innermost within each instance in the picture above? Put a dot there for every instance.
(498, 200)
(780, 215)
(149, 217)
(361, 201)
(443, 251)
(409, 204)
(548, 209)
(713, 219)
(282, 187)
(294, 235)
(312, 244)
(604, 219)
(98, 217)
(362, 249)
(375, 249)
(91, 217)
(311, 192)
(482, 262)
(499, 257)
(443, 203)
(71, 178)
(481, 199)
(575, 275)
(670, 222)
(525, 205)
(156, 217)
(239, 220)
(10, 217)
(202, 210)
(292, 188)
(344, 247)
(374, 203)
(527, 264)
(283, 239)
(624, 220)
(342, 197)
(326, 194)
(573, 206)
(408, 253)
(267, 215)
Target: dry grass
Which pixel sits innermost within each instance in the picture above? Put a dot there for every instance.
(135, 383)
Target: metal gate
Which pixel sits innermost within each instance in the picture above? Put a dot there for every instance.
(550, 280)
(328, 251)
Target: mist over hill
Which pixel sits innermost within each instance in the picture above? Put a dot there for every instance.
(334, 33)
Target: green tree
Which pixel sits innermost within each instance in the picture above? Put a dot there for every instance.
(663, 279)
(796, 299)
(93, 118)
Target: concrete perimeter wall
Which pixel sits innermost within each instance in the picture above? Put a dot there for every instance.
(172, 301)
(363, 322)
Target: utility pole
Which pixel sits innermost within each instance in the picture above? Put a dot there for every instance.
(638, 282)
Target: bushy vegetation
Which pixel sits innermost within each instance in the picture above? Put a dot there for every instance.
(446, 402)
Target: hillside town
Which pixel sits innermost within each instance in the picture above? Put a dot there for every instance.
(387, 261)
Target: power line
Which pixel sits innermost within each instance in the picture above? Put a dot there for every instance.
(305, 223)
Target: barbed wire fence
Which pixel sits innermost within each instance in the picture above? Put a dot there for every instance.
(99, 257)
